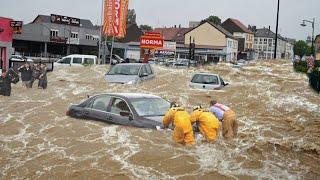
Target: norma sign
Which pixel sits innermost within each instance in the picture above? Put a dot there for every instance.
(58, 19)
(151, 42)
(16, 26)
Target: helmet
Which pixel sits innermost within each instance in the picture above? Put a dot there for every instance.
(197, 107)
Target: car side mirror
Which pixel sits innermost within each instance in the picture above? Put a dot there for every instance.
(127, 114)
(226, 84)
(144, 75)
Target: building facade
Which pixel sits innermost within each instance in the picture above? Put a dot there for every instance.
(264, 45)
(211, 35)
(51, 36)
(244, 35)
(5, 42)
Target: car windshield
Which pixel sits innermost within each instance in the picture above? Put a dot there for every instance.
(151, 106)
(125, 70)
(205, 79)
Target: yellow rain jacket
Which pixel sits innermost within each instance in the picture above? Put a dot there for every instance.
(208, 123)
(183, 132)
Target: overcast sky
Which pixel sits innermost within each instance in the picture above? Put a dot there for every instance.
(159, 13)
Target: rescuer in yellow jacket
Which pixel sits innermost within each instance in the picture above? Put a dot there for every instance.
(182, 132)
(207, 122)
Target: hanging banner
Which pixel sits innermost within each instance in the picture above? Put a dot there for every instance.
(115, 17)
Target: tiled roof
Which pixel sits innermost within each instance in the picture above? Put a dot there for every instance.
(265, 32)
(234, 25)
(172, 34)
(218, 27)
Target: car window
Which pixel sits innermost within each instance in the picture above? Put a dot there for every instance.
(205, 79)
(222, 82)
(143, 70)
(101, 103)
(125, 70)
(119, 105)
(149, 70)
(65, 61)
(77, 60)
(88, 61)
(151, 106)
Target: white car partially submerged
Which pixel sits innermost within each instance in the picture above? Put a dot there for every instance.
(76, 60)
(207, 81)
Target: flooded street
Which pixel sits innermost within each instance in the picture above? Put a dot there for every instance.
(279, 129)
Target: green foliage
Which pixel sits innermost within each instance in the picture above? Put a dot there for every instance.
(310, 51)
(301, 66)
(213, 19)
(145, 27)
(300, 48)
(131, 16)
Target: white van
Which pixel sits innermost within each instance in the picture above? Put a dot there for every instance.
(76, 60)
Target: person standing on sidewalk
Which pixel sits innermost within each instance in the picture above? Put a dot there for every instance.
(26, 75)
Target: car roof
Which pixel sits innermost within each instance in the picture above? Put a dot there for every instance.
(206, 74)
(131, 95)
(133, 64)
(80, 55)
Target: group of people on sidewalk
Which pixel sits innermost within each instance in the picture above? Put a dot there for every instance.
(29, 74)
(207, 121)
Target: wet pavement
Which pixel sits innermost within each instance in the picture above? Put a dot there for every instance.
(279, 129)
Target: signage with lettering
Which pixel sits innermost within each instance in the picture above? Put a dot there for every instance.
(115, 17)
(60, 40)
(16, 26)
(58, 19)
(151, 42)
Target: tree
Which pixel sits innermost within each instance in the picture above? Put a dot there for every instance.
(145, 27)
(310, 51)
(131, 16)
(213, 19)
(300, 48)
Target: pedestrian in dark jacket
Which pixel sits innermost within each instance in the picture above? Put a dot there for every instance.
(35, 74)
(6, 78)
(43, 77)
(26, 75)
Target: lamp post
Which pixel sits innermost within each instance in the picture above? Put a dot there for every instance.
(277, 26)
(312, 24)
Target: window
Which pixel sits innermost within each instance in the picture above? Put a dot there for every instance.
(88, 61)
(265, 41)
(88, 36)
(205, 79)
(74, 35)
(119, 105)
(149, 70)
(65, 61)
(151, 106)
(125, 70)
(77, 60)
(143, 70)
(54, 33)
(101, 103)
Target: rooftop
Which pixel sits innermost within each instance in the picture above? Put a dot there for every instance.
(234, 25)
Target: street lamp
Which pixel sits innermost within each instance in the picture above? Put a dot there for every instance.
(303, 24)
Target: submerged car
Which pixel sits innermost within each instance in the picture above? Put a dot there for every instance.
(130, 73)
(130, 109)
(207, 81)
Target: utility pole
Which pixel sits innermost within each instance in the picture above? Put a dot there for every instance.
(100, 39)
(277, 26)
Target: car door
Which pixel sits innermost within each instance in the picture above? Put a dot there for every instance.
(150, 72)
(97, 109)
(77, 61)
(116, 108)
(143, 73)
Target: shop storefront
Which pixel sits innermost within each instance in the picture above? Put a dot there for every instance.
(5, 42)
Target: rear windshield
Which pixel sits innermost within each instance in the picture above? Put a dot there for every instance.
(205, 79)
(125, 70)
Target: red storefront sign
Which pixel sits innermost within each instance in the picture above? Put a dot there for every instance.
(151, 42)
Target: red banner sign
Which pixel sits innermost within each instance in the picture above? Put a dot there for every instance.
(151, 42)
(115, 17)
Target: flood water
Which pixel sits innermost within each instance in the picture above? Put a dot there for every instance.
(279, 129)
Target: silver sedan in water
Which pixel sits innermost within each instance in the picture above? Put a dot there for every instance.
(130, 109)
(130, 73)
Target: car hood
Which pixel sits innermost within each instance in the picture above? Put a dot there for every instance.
(121, 78)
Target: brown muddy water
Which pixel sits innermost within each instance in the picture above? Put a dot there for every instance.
(279, 132)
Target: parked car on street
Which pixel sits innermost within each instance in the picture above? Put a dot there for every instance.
(130, 109)
(76, 60)
(207, 81)
(130, 73)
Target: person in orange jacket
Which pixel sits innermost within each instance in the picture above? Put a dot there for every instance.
(182, 132)
(207, 122)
